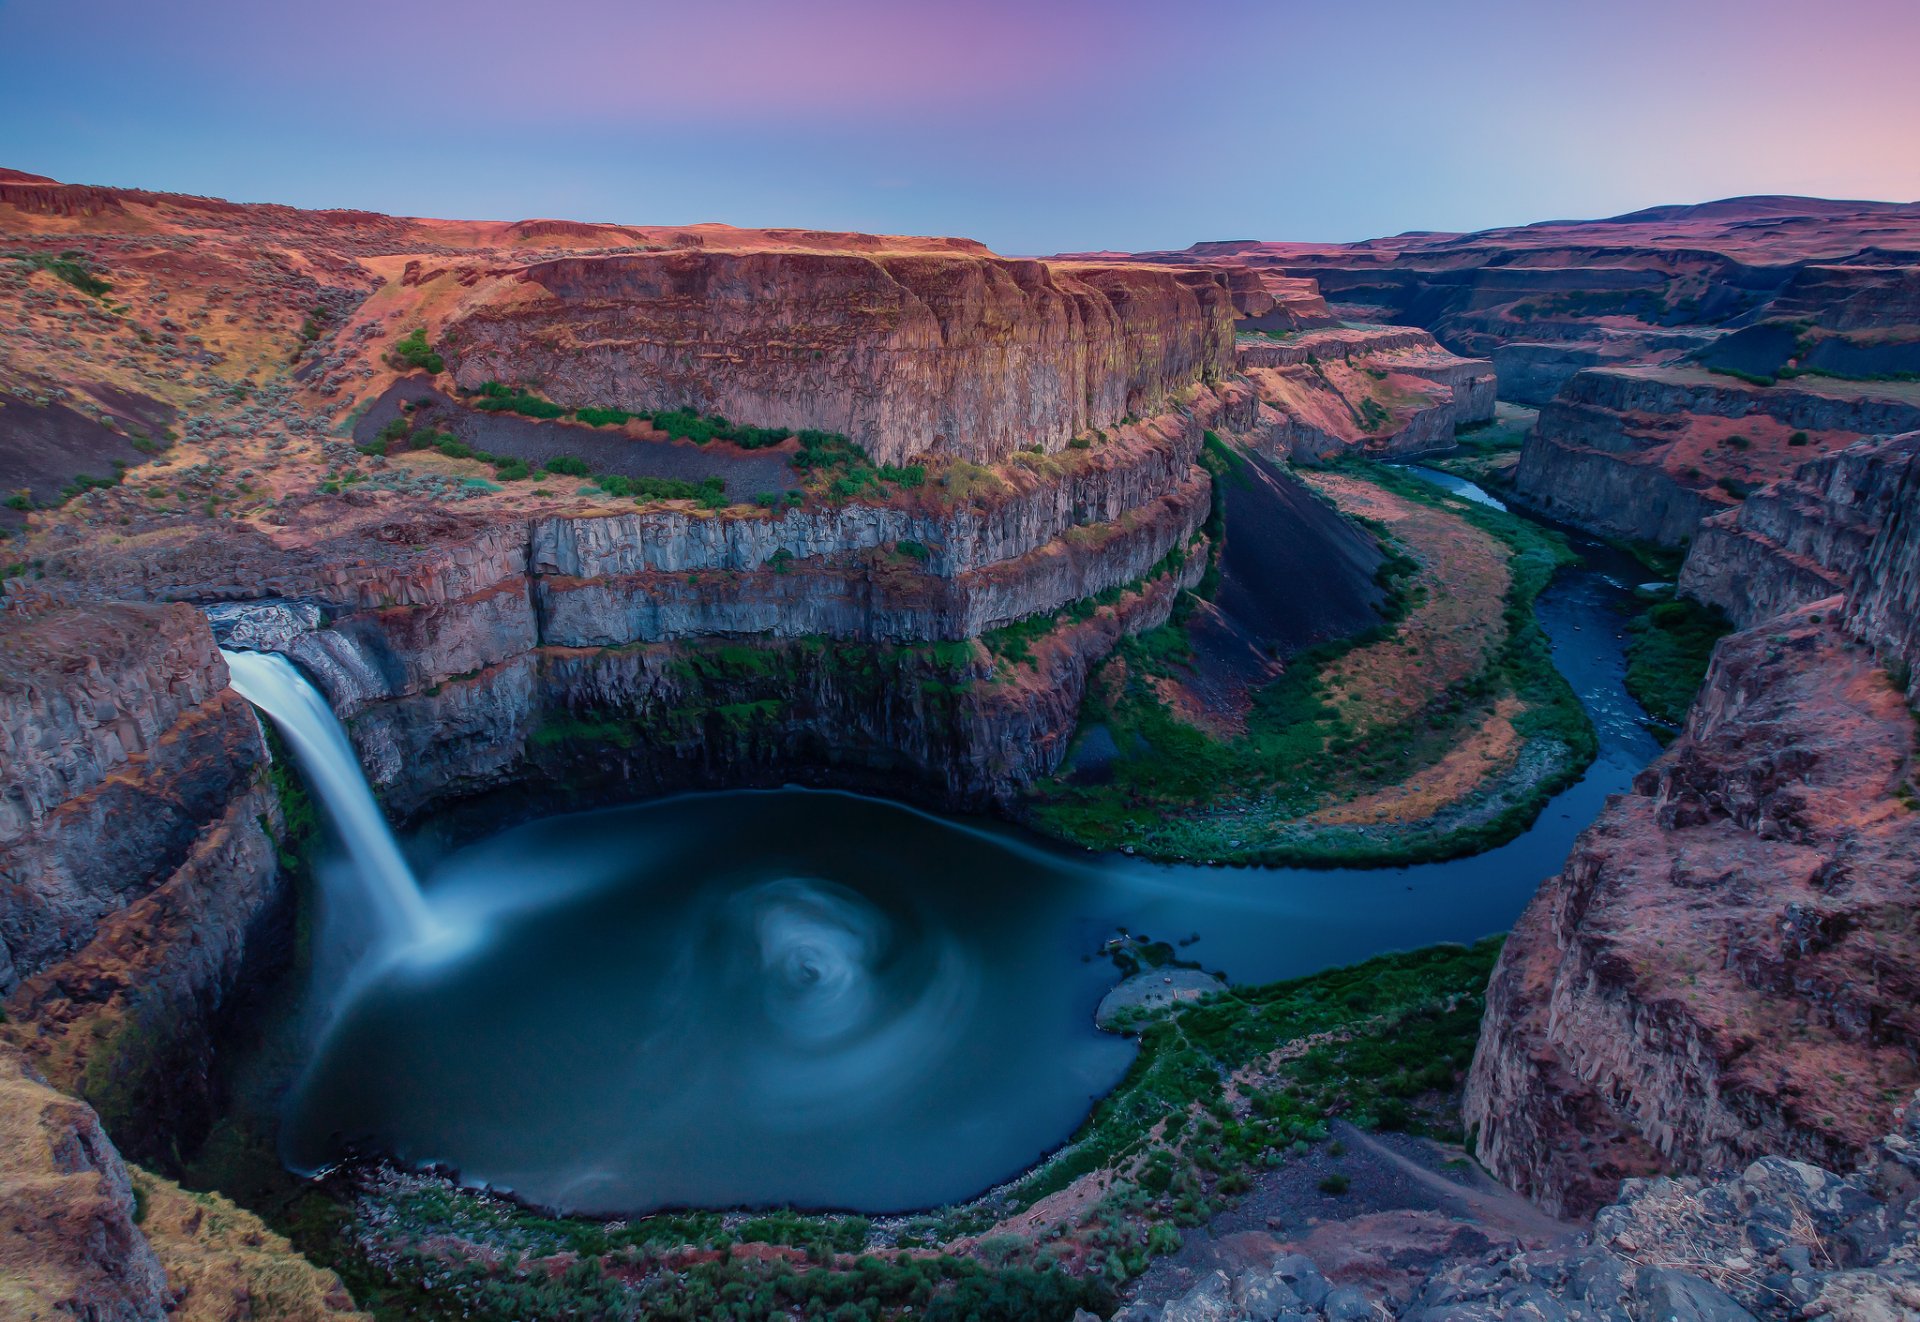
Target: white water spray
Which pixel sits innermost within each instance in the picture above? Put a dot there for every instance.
(397, 911)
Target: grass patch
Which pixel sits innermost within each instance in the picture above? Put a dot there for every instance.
(1668, 650)
(70, 267)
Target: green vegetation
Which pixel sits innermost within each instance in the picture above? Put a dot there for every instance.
(413, 351)
(492, 397)
(711, 492)
(70, 266)
(1751, 378)
(1395, 1036)
(1159, 796)
(1667, 656)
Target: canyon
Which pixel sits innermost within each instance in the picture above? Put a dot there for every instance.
(558, 515)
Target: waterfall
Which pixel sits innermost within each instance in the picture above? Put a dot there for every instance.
(396, 911)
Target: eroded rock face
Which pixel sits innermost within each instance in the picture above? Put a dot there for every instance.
(72, 1248)
(936, 354)
(1380, 390)
(90, 1237)
(1724, 968)
(1647, 453)
(1802, 538)
(137, 858)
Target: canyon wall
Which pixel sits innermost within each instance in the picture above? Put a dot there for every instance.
(136, 853)
(723, 647)
(1725, 968)
(909, 355)
(1647, 453)
(1803, 537)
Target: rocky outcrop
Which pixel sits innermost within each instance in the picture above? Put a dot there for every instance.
(1778, 1240)
(911, 355)
(1723, 969)
(1380, 390)
(1647, 453)
(1802, 538)
(90, 1237)
(73, 1247)
(1883, 605)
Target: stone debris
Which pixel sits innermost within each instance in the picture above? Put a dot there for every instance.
(1780, 1240)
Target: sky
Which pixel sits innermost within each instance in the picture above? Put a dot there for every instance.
(1036, 127)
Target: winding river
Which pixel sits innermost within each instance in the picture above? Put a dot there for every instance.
(822, 1000)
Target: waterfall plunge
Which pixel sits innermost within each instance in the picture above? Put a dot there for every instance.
(396, 911)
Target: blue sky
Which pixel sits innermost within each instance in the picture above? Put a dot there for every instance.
(1034, 127)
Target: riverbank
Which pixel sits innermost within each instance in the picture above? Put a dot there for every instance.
(1440, 732)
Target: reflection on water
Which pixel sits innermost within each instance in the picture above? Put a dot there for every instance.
(808, 998)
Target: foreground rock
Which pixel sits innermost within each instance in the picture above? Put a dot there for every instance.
(1723, 970)
(1781, 1239)
(87, 1236)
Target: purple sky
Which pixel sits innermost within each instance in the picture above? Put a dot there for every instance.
(1034, 126)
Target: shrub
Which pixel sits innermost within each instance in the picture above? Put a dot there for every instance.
(604, 417)
(913, 550)
(1335, 1184)
(496, 398)
(413, 351)
(1798, 439)
(70, 266)
(567, 464)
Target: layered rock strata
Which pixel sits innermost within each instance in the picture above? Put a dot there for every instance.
(1802, 538)
(936, 354)
(136, 852)
(449, 642)
(1647, 453)
(1381, 390)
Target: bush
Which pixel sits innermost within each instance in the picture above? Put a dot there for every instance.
(414, 351)
(913, 550)
(1335, 1184)
(567, 464)
(70, 266)
(604, 417)
(496, 398)
(1798, 439)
